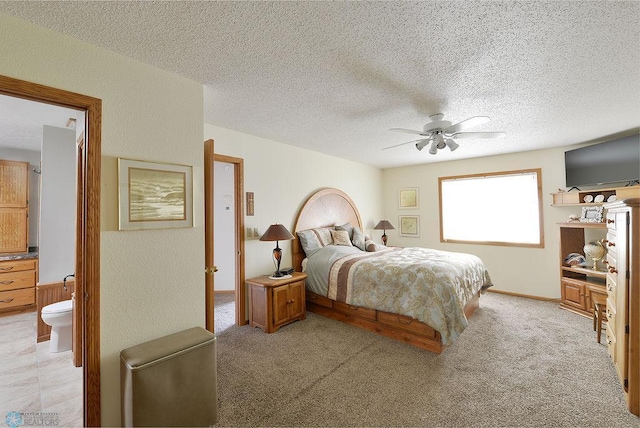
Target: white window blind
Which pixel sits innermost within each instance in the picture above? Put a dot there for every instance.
(501, 208)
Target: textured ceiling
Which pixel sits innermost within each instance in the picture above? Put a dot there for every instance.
(335, 76)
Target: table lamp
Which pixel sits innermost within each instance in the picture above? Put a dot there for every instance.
(384, 225)
(277, 232)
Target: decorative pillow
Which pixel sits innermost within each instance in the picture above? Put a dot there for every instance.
(358, 239)
(347, 226)
(372, 246)
(341, 237)
(314, 239)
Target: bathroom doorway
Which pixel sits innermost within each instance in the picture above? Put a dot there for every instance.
(88, 230)
(232, 244)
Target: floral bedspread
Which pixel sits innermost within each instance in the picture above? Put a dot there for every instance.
(431, 286)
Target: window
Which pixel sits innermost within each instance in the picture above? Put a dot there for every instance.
(500, 208)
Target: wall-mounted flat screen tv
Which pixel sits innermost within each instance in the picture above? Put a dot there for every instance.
(614, 161)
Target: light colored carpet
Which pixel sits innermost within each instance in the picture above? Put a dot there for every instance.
(520, 362)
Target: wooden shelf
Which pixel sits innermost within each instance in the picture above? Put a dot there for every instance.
(577, 198)
(584, 225)
(586, 271)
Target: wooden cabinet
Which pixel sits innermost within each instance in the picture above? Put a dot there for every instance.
(578, 197)
(577, 284)
(18, 284)
(14, 200)
(623, 296)
(276, 302)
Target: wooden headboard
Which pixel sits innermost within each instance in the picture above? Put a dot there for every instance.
(325, 208)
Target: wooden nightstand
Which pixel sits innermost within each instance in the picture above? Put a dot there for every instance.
(276, 302)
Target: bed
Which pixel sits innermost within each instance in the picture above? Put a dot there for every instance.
(383, 290)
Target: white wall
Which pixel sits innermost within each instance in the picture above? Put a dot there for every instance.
(34, 186)
(530, 271)
(57, 252)
(152, 282)
(282, 177)
(224, 225)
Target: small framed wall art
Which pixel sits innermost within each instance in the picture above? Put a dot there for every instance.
(409, 198)
(409, 225)
(154, 195)
(592, 214)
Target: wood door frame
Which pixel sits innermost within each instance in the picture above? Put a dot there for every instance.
(238, 187)
(88, 242)
(240, 291)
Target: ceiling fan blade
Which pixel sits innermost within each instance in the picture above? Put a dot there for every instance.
(478, 135)
(467, 123)
(402, 144)
(410, 131)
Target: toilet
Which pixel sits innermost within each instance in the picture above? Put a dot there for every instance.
(59, 316)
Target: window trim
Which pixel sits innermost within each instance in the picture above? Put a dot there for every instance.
(537, 171)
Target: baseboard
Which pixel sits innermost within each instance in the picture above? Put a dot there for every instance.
(223, 292)
(526, 296)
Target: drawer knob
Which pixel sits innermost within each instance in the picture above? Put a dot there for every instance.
(613, 269)
(6, 268)
(6, 282)
(611, 244)
(6, 301)
(610, 220)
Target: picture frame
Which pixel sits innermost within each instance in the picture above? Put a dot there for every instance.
(409, 225)
(408, 198)
(154, 195)
(592, 215)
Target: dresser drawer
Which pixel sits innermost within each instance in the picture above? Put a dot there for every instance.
(17, 265)
(16, 280)
(611, 243)
(10, 299)
(409, 324)
(611, 220)
(611, 286)
(611, 340)
(356, 311)
(318, 299)
(611, 313)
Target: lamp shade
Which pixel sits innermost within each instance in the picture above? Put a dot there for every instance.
(277, 232)
(383, 225)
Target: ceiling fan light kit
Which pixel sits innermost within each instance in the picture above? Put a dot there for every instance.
(441, 133)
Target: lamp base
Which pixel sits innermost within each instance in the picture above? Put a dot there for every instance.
(280, 277)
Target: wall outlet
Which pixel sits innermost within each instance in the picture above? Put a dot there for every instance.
(255, 232)
(249, 232)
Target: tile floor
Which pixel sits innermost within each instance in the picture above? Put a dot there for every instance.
(34, 380)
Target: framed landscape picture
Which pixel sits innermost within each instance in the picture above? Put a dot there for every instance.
(409, 225)
(409, 198)
(154, 195)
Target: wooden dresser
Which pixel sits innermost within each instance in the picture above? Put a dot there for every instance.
(18, 284)
(623, 296)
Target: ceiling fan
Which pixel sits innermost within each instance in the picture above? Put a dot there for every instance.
(441, 133)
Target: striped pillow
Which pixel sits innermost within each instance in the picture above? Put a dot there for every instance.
(314, 239)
